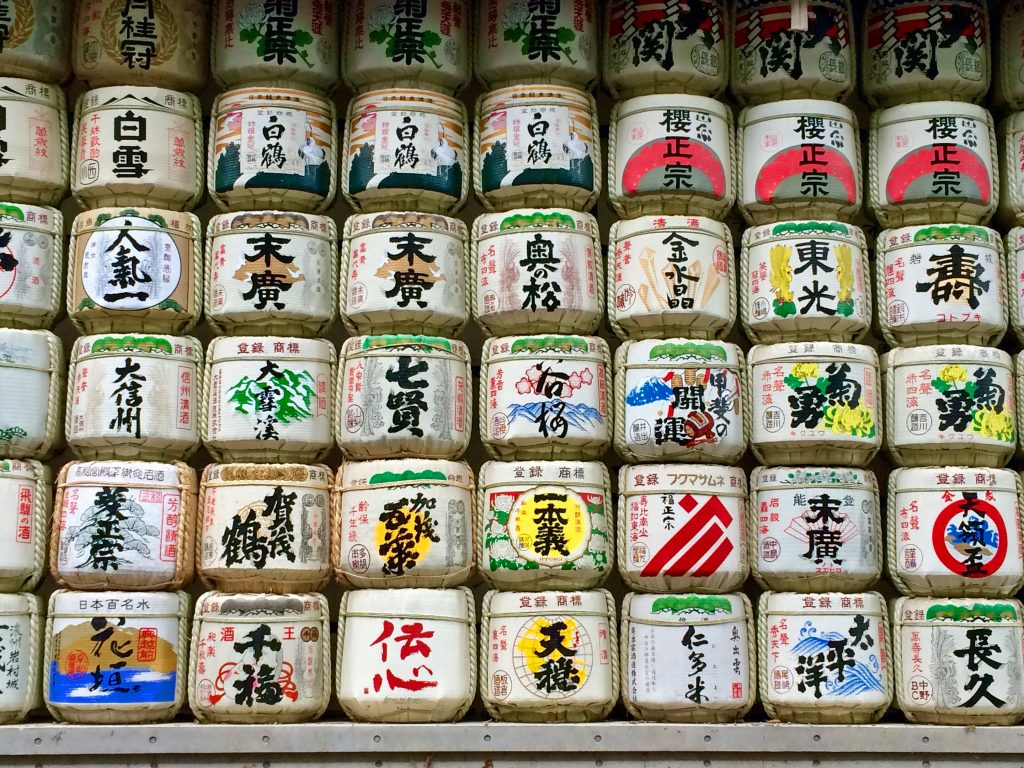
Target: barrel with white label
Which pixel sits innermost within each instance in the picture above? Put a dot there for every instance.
(264, 527)
(950, 404)
(1010, 135)
(519, 42)
(34, 150)
(156, 42)
(272, 148)
(406, 148)
(549, 657)
(21, 647)
(124, 525)
(545, 397)
(403, 523)
(271, 272)
(823, 657)
(32, 378)
(268, 399)
(792, 50)
(1014, 285)
(405, 271)
(958, 661)
(115, 657)
(1008, 57)
(545, 524)
(681, 400)
(814, 529)
(403, 396)
(537, 271)
(293, 43)
(941, 284)
(667, 48)
(37, 41)
(260, 658)
(134, 396)
(932, 162)
(135, 145)
(31, 265)
(798, 159)
(671, 276)
(135, 269)
(955, 532)
(671, 153)
(26, 493)
(426, 44)
(917, 51)
(536, 145)
(407, 655)
(805, 281)
(688, 658)
(814, 403)
(681, 527)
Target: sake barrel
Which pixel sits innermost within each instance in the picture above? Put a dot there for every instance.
(955, 532)
(673, 48)
(949, 405)
(407, 655)
(680, 400)
(957, 661)
(941, 284)
(814, 529)
(792, 50)
(799, 636)
(1008, 64)
(545, 524)
(31, 265)
(537, 271)
(272, 148)
(406, 148)
(34, 150)
(671, 153)
(136, 145)
(32, 379)
(36, 41)
(681, 528)
(403, 396)
(549, 657)
(805, 281)
(1011, 156)
(26, 498)
(260, 658)
(536, 145)
(671, 275)
(915, 52)
(124, 525)
(545, 397)
(21, 646)
(403, 523)
(115, 657)
(537, 42)
(932, 162)
(156, 42)
(1014, 285)
(424, 44)
(404, 271)
(814, 403)
(295, 43)
(688, 658)
(271, 272)
(798, 159)
(264, 527)
(269, 399)
(134, 396)
(135, 269)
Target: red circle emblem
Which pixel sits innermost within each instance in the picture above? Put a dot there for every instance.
(945, 545)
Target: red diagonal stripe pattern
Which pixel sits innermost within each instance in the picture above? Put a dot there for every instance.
(687, 549)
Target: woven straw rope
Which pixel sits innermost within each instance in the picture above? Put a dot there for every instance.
(544, 578)
(665, 712)
(472, 647)
(54, 412)
(30, 649)
(1018, 394)
(1011, 285)
(277, 713)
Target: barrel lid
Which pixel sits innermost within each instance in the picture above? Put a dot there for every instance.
(805, 351)
(69, 602)
(953, 610)
(945, 354)
(663, 101)
(550, 603)
(364, 223)
(134, 473)
(290, 221)
(450, 604)
(822, 603)
(688, 608)
(918, 479)
(669, 352)
(571, 474)
(923, 110)
(259, 605)
(923, 233)
(805, 477)
(802, 228)
(224, 348)
(788, 107)
(492, 224)
(705, 478)
(404, 343)
(390, 472)
(148, 344)
(548, 345)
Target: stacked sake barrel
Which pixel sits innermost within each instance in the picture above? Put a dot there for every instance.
(33, 180)
(402, 526)
(944, 287)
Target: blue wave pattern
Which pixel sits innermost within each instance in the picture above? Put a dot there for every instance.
(864, 676)
(152, 688)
